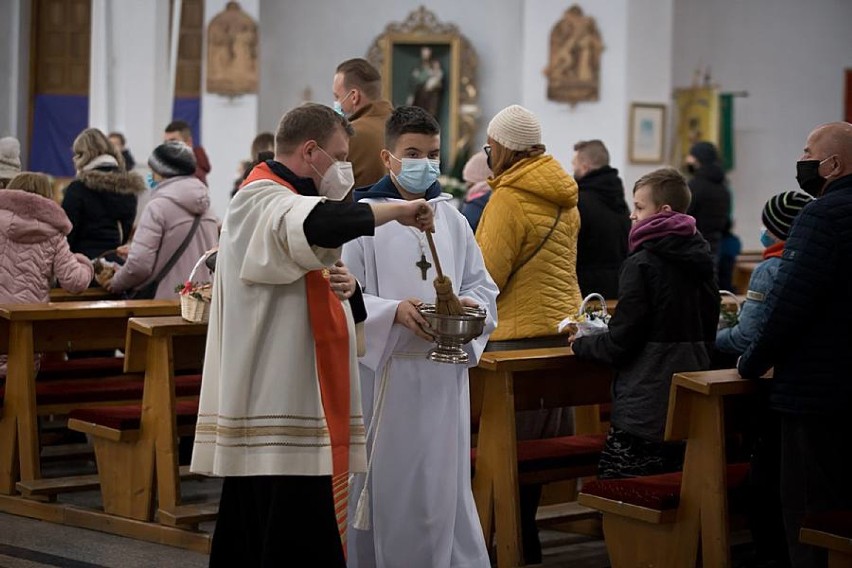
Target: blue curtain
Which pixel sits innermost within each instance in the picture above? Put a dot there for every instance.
(189, 109)
(57, 120)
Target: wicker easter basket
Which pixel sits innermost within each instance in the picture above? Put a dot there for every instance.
(195, 302)
(729, 317)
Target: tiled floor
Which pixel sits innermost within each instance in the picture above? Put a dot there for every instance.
(26, 543)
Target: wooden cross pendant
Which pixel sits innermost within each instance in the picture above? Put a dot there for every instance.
(423, 265)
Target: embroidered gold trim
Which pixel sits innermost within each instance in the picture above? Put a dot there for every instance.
(261, 431)
(273, 417)
(270, 444)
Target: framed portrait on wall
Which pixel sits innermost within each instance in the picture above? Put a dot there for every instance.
(429, 64)
(423, 70)
(647, 136)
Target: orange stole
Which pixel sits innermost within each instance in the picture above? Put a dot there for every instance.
(331, 341)
(331, 346)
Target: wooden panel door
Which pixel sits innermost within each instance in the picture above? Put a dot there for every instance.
(61, 42)
(188, 80)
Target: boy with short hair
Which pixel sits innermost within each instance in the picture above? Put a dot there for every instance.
(665, 323)
(417, 411)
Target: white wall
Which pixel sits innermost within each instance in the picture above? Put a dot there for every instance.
(562, 124)
(303, 42)
(228, 124)
(8, 62)
(14, 55)
(128, 91)
(634, 68)
(649, 74)
(790, 57)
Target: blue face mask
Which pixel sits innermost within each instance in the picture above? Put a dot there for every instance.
(149, 179)
(417, 174)
(766, 239)
(338, 105)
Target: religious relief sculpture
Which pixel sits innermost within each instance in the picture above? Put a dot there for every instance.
(232, 52)
(574, 70)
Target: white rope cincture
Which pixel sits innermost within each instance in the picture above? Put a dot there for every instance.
(361, 520)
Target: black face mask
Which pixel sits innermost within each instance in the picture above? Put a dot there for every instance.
(807, 174)
(691, 169)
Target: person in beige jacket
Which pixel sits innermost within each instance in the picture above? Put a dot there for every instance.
(357, 88)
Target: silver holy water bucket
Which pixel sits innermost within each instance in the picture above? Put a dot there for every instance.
(451, 332)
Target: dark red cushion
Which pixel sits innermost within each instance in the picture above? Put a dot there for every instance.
(104, 389)
(187, 385)
(88, 390)
(551, 453)
(129, 417)
(52, 369)
(833, 522)
(659, 492)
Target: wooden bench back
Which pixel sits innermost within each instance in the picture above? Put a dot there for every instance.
(76, 326)
(544, 378)
(87, 295)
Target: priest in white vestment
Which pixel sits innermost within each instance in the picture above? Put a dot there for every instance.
(279, 412)
(419, 505)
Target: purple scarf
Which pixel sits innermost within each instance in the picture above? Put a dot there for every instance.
(660, 225)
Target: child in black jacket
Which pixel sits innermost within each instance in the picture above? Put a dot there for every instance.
(665, 322)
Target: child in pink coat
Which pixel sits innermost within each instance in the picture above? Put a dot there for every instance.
(33, 247)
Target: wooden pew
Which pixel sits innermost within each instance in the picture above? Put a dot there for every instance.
(668, 533)
(833, 531)
(521, 380)
(742, 274)
(128, 456)
(87, 295)
(27, 329)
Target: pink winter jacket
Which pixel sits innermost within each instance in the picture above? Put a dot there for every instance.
(163, 226)
(33, 249)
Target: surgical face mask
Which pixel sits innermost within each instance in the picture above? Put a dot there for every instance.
(338, 105)
(417, 174)
(807, 174)
(337, 180)
(766, 238)
(149, 179)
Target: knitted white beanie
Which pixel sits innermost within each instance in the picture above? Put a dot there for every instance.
(10, 157)
(515, 128)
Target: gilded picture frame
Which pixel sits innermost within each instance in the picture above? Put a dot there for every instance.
(430, 64)
(647, 136)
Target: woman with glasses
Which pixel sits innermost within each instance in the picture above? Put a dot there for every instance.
(528, 236)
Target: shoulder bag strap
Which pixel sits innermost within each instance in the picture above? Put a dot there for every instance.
(176, 256)
(541, 244)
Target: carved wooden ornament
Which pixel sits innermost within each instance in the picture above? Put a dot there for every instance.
(232, 52)
(574, 68)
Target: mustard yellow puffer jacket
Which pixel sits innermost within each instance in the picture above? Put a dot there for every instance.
(536, 296)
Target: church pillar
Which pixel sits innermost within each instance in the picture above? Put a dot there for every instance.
(129, 86)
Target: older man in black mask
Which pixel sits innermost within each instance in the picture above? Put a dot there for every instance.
(811, 392)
